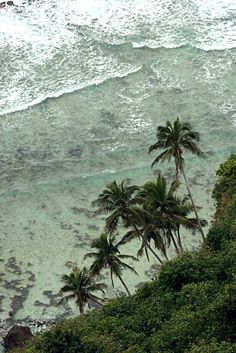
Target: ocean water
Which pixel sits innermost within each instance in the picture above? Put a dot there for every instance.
(83, 86)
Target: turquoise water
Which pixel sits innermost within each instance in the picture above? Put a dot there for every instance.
(83, 86)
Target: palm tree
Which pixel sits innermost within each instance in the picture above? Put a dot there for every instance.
(149, 226)
(150, 233)
(109, 256)
(118, 200)
(174, 139)
(80, 286)
(167, 210)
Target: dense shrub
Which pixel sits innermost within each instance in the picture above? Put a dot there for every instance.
(225, 187)
(213, 347)
(57, 341)
(224, 225)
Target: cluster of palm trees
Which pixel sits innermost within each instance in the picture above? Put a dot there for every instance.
(152, 214)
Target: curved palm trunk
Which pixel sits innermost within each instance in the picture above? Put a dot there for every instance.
(194, 207)
(112, 282)
(174, 242)
(179, 239)
(126, 288)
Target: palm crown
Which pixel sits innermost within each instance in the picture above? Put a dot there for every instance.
(117, 200)
(174, 138)
(168, 211)
(80, 285)
(108, 256)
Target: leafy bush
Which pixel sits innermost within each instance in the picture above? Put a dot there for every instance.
(213, 347)
(57, 341)
(226, 184)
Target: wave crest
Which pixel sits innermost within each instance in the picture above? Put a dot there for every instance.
(60, 93)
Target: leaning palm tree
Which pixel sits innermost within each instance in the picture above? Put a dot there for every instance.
(174, 139)
(109, 256)
(150, 228)
(168, 211)
(80, 285)
(117, 200)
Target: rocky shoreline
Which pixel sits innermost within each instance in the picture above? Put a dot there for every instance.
(36, 326)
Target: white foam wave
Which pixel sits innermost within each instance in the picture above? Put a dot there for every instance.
(56, 46)
(156, 45)
(204, 46)
(71, 89)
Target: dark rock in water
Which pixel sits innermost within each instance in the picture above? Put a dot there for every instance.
(75, 152)
(9, 3)
(78, 210)
(16, 337)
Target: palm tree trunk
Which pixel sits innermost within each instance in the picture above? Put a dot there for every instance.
(112, 282)
(146, 252)
(174, 242)
(146, 243)
(81, 309)
(126, 288)
(179, 239)
(194, 207)
(166, 256)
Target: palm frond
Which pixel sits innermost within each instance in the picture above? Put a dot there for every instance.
(90, 254)
(165, 155)
(66, 299)
(155, 146)
(129, 236)
(97, 287)
(96, 299)
(128, 257)
(126, 266)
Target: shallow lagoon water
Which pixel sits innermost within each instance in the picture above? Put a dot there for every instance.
(82, 89)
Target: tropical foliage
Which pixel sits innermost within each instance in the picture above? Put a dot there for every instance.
(108, 256)
(79, 285)
(117, 199)
(189, 308)
(174, 139)
(168, 211)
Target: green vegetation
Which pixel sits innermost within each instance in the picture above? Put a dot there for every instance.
(108, 256)
(167, 212)
(174, 139)
(190, 307)
(119, 201)
(79, 285)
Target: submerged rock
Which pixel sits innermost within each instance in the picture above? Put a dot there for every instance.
(8, 3)
(16, 337)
